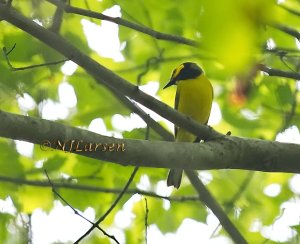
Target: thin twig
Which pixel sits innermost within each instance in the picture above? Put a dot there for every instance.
(286, 29)
(29, 224)
(111, 207)
(150, 61)
(6, 53)
(278, 72)
(281, 50)
(282, 58)
(146, 221)
(76, 212)
(147, 210)
(97, 189)
(123, 22)
(229, 206)
(163, 60)
(61, 198)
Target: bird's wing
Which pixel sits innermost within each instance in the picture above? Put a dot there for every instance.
(176, 107)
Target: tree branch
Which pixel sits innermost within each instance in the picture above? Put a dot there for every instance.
(288, 30)
(278, 72)
(96, 224)
(6, 53)
(77, 212)
(205, 196)
(103, 75)
(117, 20)
(136, 94)
(97, 189)
(227, 152)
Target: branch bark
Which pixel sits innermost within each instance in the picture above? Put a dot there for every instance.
(134, 148)
(103, 75)
(226, 152)
(116, 85)
(278, 72)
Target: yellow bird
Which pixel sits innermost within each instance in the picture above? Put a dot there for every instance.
(194, 98)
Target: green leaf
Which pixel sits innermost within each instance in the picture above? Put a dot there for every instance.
(285, 95)
(54, 163)
(31, 198)
(4, 222)
(94, 100)
(9, 160)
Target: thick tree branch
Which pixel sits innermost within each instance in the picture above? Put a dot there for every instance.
(117, 20)
(113, 82)
(227, 152)
(136, 94)
(103, 75)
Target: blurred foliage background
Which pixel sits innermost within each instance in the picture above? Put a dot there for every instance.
(237, 39)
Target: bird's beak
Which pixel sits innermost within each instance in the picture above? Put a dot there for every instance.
(171, 82)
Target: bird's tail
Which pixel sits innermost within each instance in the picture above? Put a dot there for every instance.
(174, 177)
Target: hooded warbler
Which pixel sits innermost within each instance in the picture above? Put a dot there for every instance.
(194, 96)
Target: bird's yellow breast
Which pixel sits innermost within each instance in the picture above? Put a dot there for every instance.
(195, 100)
